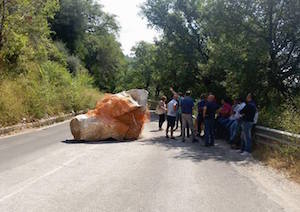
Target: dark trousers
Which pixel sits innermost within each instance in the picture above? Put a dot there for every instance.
(161, 121)
(247, 136)
(178, 119)
(222, 127)
(199, 122)
(209, 132)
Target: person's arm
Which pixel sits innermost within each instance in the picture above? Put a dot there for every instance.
(162, 105)
(219, 110)
(243, 111)
(165, 107)
(173, 92)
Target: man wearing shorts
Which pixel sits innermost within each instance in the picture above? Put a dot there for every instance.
(171, 115)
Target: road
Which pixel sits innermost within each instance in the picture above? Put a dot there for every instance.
(44, 170)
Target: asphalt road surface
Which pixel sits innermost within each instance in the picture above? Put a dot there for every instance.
(43, 170)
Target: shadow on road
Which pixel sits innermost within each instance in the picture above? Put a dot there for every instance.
(196, 151)
(111, 141)
(188, 150)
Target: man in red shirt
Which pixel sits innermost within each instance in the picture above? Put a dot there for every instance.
(223, 119)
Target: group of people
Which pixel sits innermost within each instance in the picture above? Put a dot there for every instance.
(233, 122)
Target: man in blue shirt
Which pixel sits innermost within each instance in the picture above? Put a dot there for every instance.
(248, 116)
(187, 105)
(209, 113)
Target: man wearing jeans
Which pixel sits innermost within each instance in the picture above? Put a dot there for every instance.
(235, 119)
(248, 114)
(171, 116)
(209, 113)
(187, 105)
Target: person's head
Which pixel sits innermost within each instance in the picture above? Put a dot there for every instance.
(203, 97)
(163, 98)
(175, 96)
(180, 94)
(188, 93)
(236, 101)
(249, 97)
(222, 101)
(211, 98)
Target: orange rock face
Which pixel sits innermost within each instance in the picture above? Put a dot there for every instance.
(118, 116)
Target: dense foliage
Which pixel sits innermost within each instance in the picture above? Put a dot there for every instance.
(227, 47)
(52, 56)
(90, 35)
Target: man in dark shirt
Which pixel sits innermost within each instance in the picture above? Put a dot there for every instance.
(209, 113)
(187, 106)
(248, 114)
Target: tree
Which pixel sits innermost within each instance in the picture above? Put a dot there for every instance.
(24, 30)
(91, 35)
(144, 58)
(229, 47)
(268, 32)
(76, 18)
(184, 36)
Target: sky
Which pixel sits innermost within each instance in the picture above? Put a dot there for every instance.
(133, 27)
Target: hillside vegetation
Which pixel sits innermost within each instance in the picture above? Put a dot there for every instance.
(55, 56)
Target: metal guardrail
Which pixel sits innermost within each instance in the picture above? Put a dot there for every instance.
(274, 137)
(38, 123)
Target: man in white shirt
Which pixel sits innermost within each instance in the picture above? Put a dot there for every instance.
(237, 109)
(234, 119)
(171, 115)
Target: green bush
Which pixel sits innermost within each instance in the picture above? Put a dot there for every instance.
(283, 117)
(48, 91)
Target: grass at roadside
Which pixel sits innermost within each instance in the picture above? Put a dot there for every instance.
(283, 158)
(46, 92)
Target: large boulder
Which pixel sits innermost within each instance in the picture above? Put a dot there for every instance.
(119, 116)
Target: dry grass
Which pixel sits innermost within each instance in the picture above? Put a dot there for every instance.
(285, 159)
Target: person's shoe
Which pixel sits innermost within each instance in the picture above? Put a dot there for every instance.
(202, 133)
(211, 144)
(183, 140)
(167, 136)
(173, 138)
(239, 151)
(207, 145)
(245, 154)
(195, 141)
